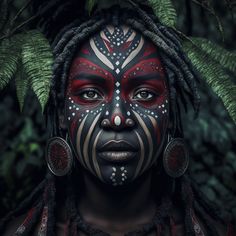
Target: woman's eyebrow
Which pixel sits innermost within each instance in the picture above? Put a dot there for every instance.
(85, 76)
(146, 77)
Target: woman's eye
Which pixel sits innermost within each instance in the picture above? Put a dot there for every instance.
(144, 95)
(90, 95)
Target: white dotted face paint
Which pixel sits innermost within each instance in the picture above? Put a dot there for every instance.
(111, 109)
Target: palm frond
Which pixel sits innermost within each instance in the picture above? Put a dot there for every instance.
(215, 76)
(37, 62)
(165, 11)
(224, 57)
(8, 61)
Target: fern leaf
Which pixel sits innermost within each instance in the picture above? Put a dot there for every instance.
(165, 11)
(214, 75)
(37, 62)
(225, 58)
(90, 4)
(8, 62)
(22, 85)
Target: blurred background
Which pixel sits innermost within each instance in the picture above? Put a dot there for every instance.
(211, 137)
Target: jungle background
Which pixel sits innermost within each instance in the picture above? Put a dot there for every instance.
(211, 137)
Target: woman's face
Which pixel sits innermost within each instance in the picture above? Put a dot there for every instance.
(117, 105)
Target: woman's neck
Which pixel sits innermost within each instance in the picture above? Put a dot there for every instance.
(111, 207)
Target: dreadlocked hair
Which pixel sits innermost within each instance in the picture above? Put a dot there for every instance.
(182, 82)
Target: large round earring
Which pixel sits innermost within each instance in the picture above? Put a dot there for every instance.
(59, 156)
(176, 157)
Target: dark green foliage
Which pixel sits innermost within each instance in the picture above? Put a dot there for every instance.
(165, 11)
(37, 63)
(219, 54)
(206, 63)
(9, 58)
(31, 51)
(22, 85)
(22, 138)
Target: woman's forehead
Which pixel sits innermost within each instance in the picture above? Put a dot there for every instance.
(118, 49)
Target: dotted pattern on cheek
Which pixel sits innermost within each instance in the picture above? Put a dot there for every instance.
(74, 108)
(163, 109)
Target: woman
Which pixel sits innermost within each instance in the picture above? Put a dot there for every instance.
(119, 81)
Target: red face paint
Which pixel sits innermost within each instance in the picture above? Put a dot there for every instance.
(117, 93)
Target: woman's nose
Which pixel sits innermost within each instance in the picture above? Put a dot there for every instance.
(117, 120)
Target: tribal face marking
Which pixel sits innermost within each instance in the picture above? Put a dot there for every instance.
(117, 105)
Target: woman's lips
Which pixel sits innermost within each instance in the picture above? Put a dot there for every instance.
(117, 156)
(117, 151)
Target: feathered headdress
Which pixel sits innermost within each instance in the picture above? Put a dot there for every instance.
(27, 56)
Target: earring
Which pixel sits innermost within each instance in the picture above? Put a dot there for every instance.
(59, 156)
(176, 158)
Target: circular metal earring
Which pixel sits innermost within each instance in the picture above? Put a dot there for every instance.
(176, 157)
(59, 156)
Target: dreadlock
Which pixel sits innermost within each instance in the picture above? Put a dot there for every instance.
(182, 82)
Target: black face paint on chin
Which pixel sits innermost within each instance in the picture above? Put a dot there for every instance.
(117, 105)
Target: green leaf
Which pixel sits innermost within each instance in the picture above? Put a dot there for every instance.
(90, 4)
(22, 85)
(165, 11)
(8, 61)
(37, 60)
(224, 57)
(214, 75)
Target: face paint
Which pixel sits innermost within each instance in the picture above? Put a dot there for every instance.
(117, 105)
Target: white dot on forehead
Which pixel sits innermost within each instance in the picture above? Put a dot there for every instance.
(107, 113)
(117, 71)
(117, 84)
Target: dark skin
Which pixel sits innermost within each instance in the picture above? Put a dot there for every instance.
(105, 208)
